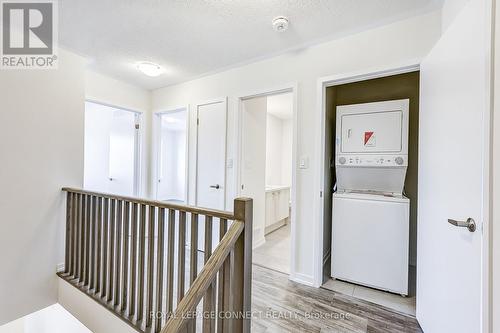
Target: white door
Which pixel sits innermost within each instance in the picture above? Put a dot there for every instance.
(253, 161)
(123, 153)
(453, 140)
(111, 149)
(211, 161)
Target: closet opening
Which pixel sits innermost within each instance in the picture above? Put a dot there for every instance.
(370, 198)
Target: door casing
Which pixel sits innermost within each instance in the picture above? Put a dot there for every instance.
(139, 160)
(156, 147)
(238, 148)
(396, 69)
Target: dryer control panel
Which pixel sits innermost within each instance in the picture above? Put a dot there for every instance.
(372, 160)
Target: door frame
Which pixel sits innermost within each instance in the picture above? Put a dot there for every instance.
(322, 84)
(195, 168)
(139, 158)
(345, 78)
(156, 147)
(238, 148)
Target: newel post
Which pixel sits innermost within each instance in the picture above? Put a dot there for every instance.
(242, 279)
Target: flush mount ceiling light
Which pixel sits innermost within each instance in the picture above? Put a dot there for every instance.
(149, 68)
(280, 23)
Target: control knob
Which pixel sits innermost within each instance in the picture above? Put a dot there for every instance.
(342, 160)
(399, 160)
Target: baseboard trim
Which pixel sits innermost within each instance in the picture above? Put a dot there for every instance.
(258, 243)
(307, 280)
(274, 226)
(94, 315)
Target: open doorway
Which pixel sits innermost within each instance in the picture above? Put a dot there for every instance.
(171, 142)
(398, 186)
(266, 175)
(112, 149)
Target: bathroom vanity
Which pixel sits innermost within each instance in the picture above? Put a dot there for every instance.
(277, 207)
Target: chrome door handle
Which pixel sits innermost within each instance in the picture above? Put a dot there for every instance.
(469, 224)
(217, 186)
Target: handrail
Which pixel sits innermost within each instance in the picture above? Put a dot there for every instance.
(160, 204)
(204, 280)
(131, 255)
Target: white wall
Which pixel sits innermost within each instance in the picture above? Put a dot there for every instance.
(450, 10)
(394, 45)
(274, 133)
(286, 152)
(41, 144)
(278, 151)
(106, 90)
(173, 162)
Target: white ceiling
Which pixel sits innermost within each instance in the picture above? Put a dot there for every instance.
(191, 38)
(281, 105)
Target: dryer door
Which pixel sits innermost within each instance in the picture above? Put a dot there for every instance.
(379, 132)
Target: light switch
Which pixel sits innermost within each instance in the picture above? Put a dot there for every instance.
(304, 162)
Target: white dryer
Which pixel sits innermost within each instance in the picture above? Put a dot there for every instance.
(370, 217)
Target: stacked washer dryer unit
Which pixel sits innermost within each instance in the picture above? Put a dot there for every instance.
(370, 227)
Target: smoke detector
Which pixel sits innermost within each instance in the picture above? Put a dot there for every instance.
(280, 23)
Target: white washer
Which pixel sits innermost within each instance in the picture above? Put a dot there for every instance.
(370, 240)
(370, 217)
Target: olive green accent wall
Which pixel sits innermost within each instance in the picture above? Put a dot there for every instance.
(400, 86)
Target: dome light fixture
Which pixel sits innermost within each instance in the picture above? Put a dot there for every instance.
(150, 68)
(280, 23)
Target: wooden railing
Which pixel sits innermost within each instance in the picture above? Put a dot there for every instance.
(131, 256)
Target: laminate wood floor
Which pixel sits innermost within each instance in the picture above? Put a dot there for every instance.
(275, 252)
(280, 305)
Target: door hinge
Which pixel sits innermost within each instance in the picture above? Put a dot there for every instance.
(197, 121)
(137, 126)
(242, 186)
(321, 194)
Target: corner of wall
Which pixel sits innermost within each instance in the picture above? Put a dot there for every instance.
(449, 11)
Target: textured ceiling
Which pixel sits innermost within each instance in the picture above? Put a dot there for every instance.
(191, 38)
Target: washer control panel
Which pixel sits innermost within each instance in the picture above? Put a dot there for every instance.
(373, 160)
